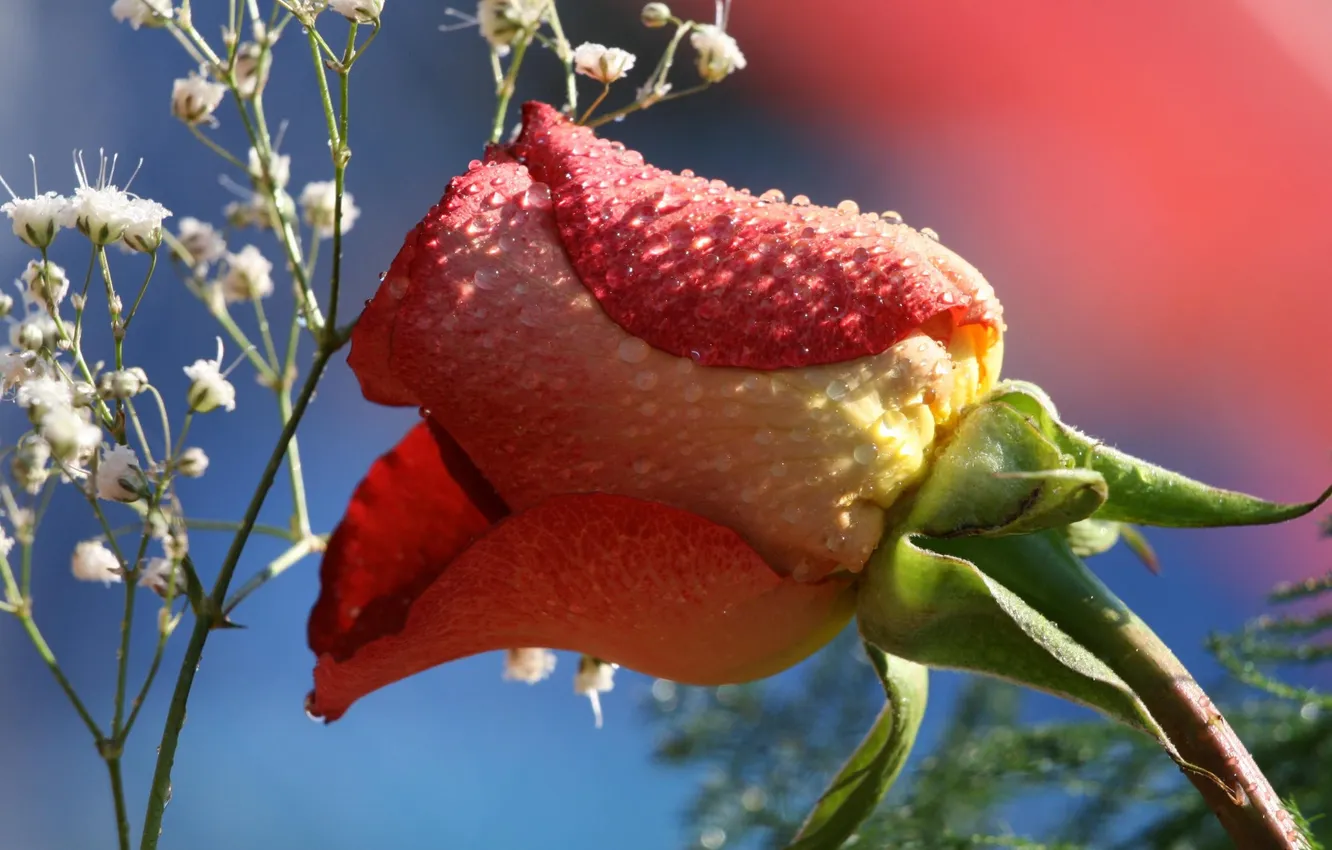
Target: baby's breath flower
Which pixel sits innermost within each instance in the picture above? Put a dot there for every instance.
(195, 98)
(209, 387)
(594, 677)
(279, 170)
(247, 70)
(192, 463)
(122, 383)
(317, 201)
(256, 211)
(529, 665)
(601, 63)
(204, 244)
(47, 283)
(37, 219)
(718, 54)
(6, 304)
(6, 543)
(42, 394)
(118, 477)
(156, 574)
(139, 13)
(15, 368)
(92, 561)
(35, 332)
(656, 15)
(502, 21)
(70, 435)
(144, 232)
(360, 11)
(29, 464)
(249, 276)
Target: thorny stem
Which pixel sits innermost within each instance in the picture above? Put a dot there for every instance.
(211, 613)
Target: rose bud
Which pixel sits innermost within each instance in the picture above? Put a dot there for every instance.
(664, 419)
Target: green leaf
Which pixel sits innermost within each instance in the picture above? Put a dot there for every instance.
(941, 610)
(999, 474)
(872, 768)
(1142, 492)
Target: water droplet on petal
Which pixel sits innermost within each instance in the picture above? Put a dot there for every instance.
(633, 350)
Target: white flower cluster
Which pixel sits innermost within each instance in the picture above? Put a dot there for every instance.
(503, 21)
(103, 212)
(317, 207)
(718, 54)
(529, 664)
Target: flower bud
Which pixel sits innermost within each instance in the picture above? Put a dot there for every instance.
(192, 462)
(656, 15)
(30, 335)
(358, 11)
(82, 394)
(502, 21)
(29, 465)
(46, 282)
(123, 383)
(195, 98)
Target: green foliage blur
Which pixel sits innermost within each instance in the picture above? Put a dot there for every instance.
(768, 749)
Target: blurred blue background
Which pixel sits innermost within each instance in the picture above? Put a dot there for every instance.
(1147, 200)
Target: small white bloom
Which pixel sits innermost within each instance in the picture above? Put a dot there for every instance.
(594, 677)
(195, 98)
(279, 169)
(100, 213)
(192, 463)
(601, 63)
(35, 220)
(6, 543)
(249, 276)
(317, 200)
(247, 70)
(209, 387)
(529, 665)
(122, 383)
(155, 575)
(360, 11)
(70, 435)
(501, 21)
(144, 231)
(203, 242)
(718, 54)
(92, 561)
(29, 465)
(139, 13)
(6, 304)
(256, 211)
(15, 368)
(47, 283)
(35, 332)
(42, 394)
(118, 477)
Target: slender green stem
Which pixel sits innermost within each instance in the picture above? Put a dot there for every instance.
(565, 55)
(139, 432)
(216, 148)
(277, 567)
(44, 650)
(229, 525)
(211, 615)
(325, 98)
(341, 155)
(112, 309)
(299, 507)
(118, 794)
(605, 90)
(266, 334)
(147, 684)
(506, 88)
(134, 308)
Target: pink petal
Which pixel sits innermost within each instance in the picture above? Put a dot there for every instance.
(636, 583)
(704, 271)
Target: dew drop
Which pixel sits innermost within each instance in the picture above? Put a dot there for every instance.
(645, 380)
(848, 208)
(865, 453)
(800, 201)
(836, 390)
(633, 350)
(486, 277)
(642, 466)
(774, 196)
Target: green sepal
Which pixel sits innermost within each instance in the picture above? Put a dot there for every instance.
(874, 766)
(1094, 536)
(999, 474)
(942, 611)
(1141, 492)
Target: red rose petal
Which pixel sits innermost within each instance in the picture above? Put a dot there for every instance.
(657, 589)
(419, 506)
(701, 270)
